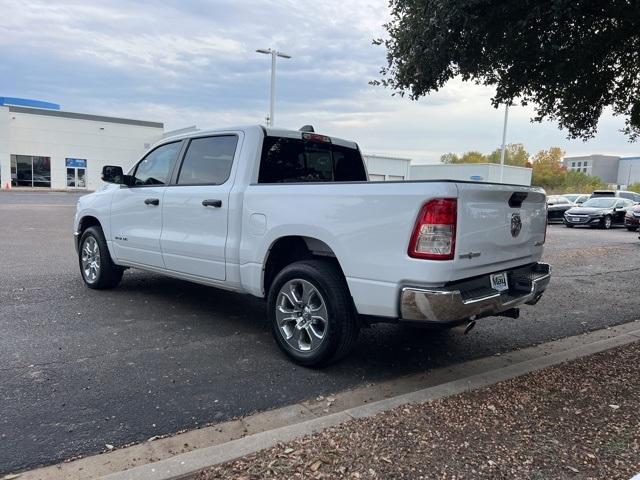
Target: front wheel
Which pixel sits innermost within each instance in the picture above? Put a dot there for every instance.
(568, 225)
(311, 313)
(632, 229)
(96, 266)
(606, 222)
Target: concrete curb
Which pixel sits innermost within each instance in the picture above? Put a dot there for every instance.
(183, 465)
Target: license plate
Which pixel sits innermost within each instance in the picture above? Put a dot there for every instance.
(499, 281)
(574, 219)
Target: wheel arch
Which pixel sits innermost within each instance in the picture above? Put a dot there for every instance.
(288, 249)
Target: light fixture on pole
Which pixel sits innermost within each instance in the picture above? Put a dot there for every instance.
(274, 53)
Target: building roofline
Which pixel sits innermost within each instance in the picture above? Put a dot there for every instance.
(84, 116)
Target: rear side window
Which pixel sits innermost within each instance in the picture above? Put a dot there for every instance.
(208, 161)
(295, 160)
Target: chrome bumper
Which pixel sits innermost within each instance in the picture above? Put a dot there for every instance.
(448, 305)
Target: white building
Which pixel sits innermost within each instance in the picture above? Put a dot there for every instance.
(44, 147)
(478, 172)
(386, 168)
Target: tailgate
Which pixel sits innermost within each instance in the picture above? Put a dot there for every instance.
(499, 227)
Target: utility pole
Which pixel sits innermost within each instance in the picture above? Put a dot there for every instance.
(504, 142)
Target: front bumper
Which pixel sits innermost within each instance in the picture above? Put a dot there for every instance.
(631, 221)
(473, 298)
(583, 220)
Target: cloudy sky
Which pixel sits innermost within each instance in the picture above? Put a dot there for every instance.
(194, 62)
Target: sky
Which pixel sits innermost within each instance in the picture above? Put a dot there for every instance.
(193, 62)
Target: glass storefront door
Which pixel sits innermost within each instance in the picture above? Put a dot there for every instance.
(31, 171)
(76, 172)
(76, 178)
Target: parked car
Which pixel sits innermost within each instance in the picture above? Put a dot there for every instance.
(289, 216)
(603, 212)
(632, 218)
(577, 198)
(633, 196)
(556, 206)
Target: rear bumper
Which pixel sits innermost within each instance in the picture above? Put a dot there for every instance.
(473, 298)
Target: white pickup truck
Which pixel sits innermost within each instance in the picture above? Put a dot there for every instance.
(290, 216)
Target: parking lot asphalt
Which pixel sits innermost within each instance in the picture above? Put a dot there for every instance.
(80, 369)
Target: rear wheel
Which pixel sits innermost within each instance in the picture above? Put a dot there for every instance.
(311, 313)
(632, 229)
(97, 269)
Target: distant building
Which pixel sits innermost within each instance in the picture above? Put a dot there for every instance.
(44, 147)
(611, 169)
(479, 172)
(387, 168)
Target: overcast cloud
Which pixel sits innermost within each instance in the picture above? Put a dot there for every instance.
(194, 62)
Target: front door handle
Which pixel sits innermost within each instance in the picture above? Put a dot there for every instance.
(152, 201)
(212, 203)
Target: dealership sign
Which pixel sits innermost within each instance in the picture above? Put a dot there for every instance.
(75, 162)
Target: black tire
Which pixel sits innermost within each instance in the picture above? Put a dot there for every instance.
(341, 329)
(632, 229)
(607, 221)
(108, 274)
(569, 226)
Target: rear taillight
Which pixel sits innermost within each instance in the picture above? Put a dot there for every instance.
(434, 236)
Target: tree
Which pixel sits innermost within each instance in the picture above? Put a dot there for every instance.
(570, 58)
(514, 154)
(580, 182)
(548, 171)
(473, 157)
(634, 187)
(450, 158)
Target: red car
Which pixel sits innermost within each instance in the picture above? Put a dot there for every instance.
(632, 218)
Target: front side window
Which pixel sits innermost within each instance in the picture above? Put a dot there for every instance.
(155, 168)
(296, 160)
(208, 161)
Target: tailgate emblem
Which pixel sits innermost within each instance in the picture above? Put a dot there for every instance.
(516, 224)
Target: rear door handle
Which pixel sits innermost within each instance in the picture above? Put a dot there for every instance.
(212, 203)
(152, 201)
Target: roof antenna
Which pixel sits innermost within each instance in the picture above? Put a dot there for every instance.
(307, 128)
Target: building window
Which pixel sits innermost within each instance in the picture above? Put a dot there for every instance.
(586, 164)
(579, 164)
(31, 171)
(573, 164)
(584, 170)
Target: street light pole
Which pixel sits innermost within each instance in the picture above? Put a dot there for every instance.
(272, 96)
(504, 140)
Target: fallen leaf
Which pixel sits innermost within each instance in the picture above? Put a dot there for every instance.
(574, 470)
(151, 439)
(109, 446)
(315, 465)
(614, 407)
(288, 450)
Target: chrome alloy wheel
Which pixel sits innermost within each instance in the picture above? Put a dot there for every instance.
(302, 315)
(90, 260)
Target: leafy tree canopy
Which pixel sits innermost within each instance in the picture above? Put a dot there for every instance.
(569, 58)
(514, 154)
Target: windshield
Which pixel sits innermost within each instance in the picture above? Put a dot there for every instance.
(603, 202)
(556, 199)
(571, 197)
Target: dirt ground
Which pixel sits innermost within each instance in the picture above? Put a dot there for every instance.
(577, 420)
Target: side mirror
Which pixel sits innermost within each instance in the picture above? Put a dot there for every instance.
(114, 174)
